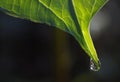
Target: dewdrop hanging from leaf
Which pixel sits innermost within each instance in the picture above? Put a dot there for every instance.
(72, 16)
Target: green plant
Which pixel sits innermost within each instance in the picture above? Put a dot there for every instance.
(72, 16)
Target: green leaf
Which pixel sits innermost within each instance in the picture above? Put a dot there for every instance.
(72, 16)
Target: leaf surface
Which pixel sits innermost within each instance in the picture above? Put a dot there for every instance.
(72, 16)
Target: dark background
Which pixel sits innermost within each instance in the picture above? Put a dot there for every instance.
(32, 52)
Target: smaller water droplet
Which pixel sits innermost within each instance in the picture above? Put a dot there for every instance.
(93, 65)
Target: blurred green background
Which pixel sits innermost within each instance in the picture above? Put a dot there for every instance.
(32, 52)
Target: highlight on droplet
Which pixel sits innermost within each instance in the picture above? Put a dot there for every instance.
(93, 66)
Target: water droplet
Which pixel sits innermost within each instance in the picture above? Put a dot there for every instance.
(94, 66)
